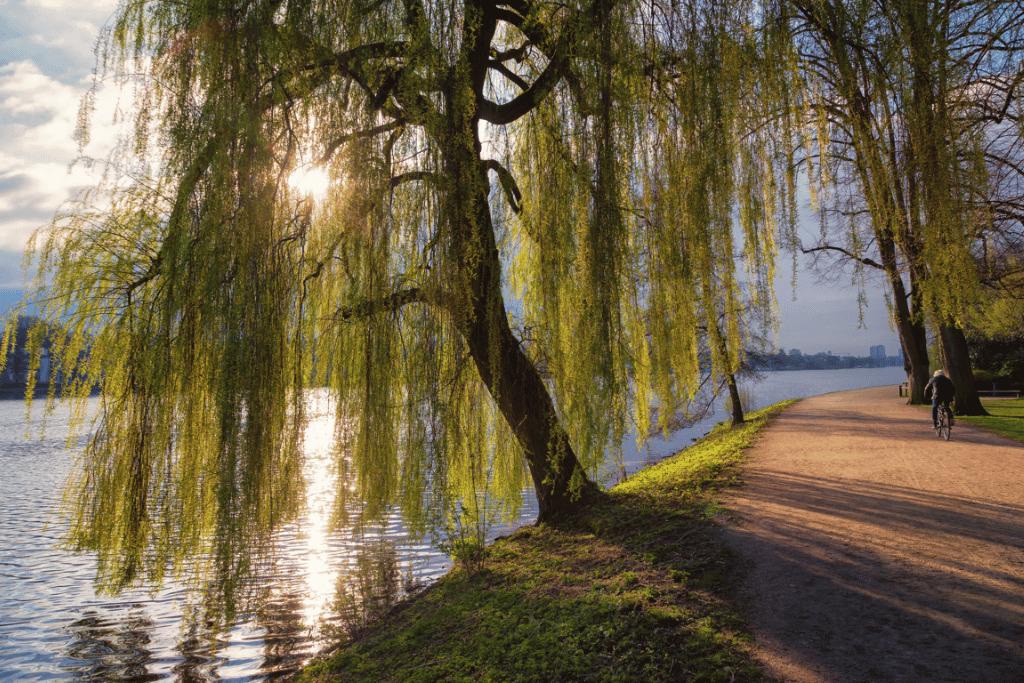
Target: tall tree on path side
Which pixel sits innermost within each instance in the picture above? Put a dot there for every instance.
(900, 93)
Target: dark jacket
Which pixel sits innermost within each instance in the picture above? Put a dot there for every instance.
(940, 388)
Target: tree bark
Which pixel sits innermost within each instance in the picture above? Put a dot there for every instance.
(958, 367)
(909, 323)
(513, 381)
(915, 353)
(559, 480)
(734, 396)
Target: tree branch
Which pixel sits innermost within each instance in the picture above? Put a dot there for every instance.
(517, 54)
(508, 73)
(386, 304)
(413, 176)
(508, 184)
(558, 53)
(861, 259)
(369, 133)
(357, 65)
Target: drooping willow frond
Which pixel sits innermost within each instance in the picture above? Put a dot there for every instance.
(538, 212)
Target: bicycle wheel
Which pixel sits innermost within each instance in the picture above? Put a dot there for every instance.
(944, 426)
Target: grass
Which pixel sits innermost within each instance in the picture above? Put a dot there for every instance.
(1005, 417)
(631, 590)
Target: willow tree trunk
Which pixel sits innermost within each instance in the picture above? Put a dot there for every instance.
(915, 358)
(478, 307)
(510, 376)
(734, 396)
(958, 366)
(931, 126)
(909, 322)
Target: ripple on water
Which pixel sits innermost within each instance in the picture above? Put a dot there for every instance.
(54, 628)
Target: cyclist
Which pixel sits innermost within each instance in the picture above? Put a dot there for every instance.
(941, 390)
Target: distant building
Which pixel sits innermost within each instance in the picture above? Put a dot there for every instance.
(44, 367)
(878, 352)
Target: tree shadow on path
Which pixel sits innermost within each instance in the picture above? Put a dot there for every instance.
(906, 586)
(871, 554)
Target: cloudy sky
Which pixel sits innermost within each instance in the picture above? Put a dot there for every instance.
(46, 63)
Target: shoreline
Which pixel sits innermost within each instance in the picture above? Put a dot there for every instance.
(17, 392)
(634, 587)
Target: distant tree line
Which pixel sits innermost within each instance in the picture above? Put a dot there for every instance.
(16, 357)
(28, 346)
(780, 360)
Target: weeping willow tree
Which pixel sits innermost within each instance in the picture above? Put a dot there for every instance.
(901, 99)
(852, 141)
(573, 171)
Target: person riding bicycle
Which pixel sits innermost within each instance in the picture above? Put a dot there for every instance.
(941, 390)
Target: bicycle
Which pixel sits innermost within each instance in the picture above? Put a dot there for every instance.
(945, 424)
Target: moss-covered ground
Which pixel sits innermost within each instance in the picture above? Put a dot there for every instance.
(631, 590)
(1006, 416)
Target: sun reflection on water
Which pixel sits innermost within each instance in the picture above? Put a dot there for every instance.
(319, 567)
(329, 578)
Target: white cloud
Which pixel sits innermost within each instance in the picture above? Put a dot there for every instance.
(46, 61)
(56, 35)
(38, 115)
(88, 7)
(25, 91)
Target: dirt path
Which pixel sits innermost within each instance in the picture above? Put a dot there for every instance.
(876, 552)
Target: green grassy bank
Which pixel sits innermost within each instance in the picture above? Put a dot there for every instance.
(630, 591)
(1005, 416)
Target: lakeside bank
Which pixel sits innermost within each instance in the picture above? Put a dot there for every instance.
(642, 586)
(633, 588)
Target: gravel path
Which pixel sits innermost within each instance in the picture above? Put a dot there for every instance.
(875, 552)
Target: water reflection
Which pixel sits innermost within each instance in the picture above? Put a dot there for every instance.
(367, 590)
(112, 650)
(286, 642)
(53, 628)
(193, 648)
(321, 493)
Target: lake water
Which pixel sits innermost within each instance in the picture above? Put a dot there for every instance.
(772, 388)
(53, 627)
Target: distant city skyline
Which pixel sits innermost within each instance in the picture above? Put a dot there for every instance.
(878, 352)
(825, 316)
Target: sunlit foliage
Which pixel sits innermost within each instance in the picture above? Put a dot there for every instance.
(531, 216)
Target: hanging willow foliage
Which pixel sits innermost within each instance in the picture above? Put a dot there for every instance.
(577, 172)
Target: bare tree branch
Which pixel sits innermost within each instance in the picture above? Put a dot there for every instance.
(849, 254)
